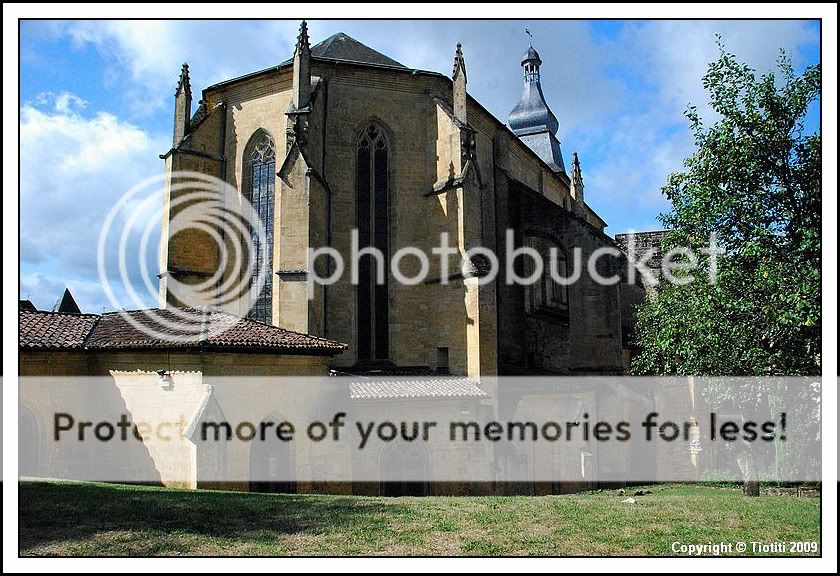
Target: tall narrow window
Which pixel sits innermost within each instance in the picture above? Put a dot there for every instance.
(260, 192)
(372, 223)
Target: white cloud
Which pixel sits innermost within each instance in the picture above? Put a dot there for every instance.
(662, 63)
(74, 166)
(63, 102)
(144, 57)
(673, 55)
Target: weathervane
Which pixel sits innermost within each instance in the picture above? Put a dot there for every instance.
(530, 36)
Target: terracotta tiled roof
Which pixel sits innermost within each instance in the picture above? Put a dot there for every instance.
(54, 330)
(167, 328)
(191, 327)
(416, 388)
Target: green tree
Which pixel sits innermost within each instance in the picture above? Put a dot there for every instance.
(753, 183)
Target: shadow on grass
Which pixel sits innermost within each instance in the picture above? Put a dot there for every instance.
(62, 511)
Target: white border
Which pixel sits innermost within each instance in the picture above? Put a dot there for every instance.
(11, 12)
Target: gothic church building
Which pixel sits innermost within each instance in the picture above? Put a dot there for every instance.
(341, 137)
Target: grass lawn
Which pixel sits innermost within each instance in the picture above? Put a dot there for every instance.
(79, 519)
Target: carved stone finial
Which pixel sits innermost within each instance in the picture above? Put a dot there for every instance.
(459, 87)
(184, 80)
(459, 63)
(302, 39)
(183, 106)
(577, 175)
(577, 179)
(301, 79)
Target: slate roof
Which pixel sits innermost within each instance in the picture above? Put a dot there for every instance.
(338, 48)
(417, 388)
(531, 54)
(342, 47)
(156, 329)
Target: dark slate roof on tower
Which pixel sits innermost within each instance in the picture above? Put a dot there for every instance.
(532, 114)
(344, 48)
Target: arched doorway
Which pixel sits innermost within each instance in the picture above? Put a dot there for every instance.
(404, 470)
(272, 462)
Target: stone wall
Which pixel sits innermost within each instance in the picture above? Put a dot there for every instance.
(588, 338)
(641, 243)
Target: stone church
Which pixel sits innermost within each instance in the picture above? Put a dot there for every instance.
(342, 137)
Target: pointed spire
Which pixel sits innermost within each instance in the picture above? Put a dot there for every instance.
(459, 87)
(301, 80)
(577, 178)
(184, 81)
(183, 105)
(459, 64)
(303, 39)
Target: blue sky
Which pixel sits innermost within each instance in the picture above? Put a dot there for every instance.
(96, 107)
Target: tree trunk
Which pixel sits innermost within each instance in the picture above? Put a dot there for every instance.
(749, 472)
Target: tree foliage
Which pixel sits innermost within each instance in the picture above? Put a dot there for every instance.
(753, 182)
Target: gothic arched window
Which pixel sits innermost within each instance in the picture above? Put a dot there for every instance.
(259, 189)
(372, 224)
